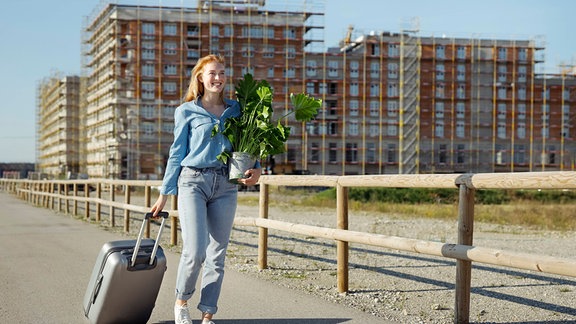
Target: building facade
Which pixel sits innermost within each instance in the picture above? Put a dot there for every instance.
(139, 60)
(401, 103)
(392, 102)
(58, 126)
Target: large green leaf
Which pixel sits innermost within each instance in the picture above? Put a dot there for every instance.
(305, 107)
(255, 131)
(266, 113)
(265, 94)
(246, 89)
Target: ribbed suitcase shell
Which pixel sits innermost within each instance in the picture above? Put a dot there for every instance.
(120, 293)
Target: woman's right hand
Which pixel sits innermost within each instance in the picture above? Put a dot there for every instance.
(158, 205)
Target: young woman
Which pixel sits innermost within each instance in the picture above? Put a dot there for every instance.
(206, 199)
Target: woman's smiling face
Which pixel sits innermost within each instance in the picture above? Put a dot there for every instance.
(213, 77)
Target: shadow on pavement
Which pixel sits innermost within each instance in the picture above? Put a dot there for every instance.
(488, 291)
(540, 322)
(273, 321)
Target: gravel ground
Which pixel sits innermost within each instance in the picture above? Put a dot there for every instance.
(408, 287)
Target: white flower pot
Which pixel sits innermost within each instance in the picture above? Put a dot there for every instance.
(239, 164)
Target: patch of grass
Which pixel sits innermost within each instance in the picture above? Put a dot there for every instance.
(559, 217)
(291, 275)
(248, 200)
(554, 210)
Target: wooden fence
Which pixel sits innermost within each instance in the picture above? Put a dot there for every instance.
(65, 196)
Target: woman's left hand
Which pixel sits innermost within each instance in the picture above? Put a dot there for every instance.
(252, 176)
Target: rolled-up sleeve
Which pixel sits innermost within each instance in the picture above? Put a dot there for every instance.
(178, 152)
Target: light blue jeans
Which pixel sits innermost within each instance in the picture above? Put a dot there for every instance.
(206, 208)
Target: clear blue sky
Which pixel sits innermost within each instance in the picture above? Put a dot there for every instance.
(40, 36)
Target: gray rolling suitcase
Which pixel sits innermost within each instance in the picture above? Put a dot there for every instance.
(126, 279)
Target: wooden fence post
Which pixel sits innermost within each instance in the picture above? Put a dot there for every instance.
(342, 246)
(86, 204)
(48, 191)
(40, 194)
(126, 211)
(98, 205)
(58, 200)
(465, 237)
(37, 194)
(33, 194)
(112, 198)
(75, 189)
(67, 201)
(263, 231)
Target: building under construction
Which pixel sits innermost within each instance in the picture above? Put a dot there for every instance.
(58, 126)
(138, 61)
(394, 102)
(427, 105)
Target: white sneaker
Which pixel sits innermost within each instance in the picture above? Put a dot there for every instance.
(181, 314)
(206, 321)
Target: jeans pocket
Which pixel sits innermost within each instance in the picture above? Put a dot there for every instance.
(189, 177)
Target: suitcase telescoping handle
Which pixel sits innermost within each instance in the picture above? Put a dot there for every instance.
(147, 217)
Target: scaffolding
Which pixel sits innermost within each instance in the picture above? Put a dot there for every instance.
(392, 102)
(409, 100)
(57, 138)
(138, 58)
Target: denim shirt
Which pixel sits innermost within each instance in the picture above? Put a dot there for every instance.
(194, 145)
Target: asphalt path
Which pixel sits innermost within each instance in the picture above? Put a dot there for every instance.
(47, 257)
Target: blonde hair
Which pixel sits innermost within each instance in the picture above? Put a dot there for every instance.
(196, 88)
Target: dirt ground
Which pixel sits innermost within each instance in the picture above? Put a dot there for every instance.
(409, 287)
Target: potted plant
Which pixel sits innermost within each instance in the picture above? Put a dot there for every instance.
(254, 134)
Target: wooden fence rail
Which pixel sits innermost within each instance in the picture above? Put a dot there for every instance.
(56, 195)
